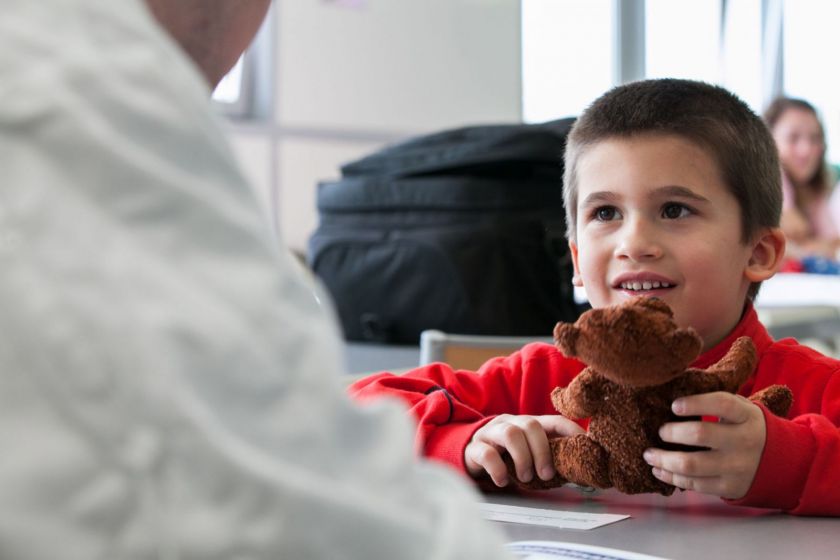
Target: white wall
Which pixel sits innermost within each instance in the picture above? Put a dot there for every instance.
(353, 75)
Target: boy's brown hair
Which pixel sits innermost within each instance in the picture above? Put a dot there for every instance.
(711, 117)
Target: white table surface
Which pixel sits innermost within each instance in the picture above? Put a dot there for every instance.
(684, 526)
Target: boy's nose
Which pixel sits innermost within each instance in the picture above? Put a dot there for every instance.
(639, 241)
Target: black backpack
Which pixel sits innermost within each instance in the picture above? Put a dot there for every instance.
(462, 231)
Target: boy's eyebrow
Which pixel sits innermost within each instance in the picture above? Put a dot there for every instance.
(610, 197)
(679, 192)
(600, 197)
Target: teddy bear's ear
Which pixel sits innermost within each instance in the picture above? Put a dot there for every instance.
(565, 337)
(653, 304)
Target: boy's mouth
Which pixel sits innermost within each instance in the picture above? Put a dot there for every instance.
(636, 286)
(642, 283)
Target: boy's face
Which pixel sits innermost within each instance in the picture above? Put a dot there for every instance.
(655, 218)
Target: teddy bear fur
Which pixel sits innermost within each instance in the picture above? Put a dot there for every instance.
(637, 362)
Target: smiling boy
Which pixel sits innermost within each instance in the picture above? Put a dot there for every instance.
(672, 189)
(653, 209)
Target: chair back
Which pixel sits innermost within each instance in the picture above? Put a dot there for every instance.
(466, 351)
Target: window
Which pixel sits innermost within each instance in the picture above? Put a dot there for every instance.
(567, 56)
(682, 39)
(572, 49)
(231, 93)
(741, 60)
(809, 40)
(245, 92)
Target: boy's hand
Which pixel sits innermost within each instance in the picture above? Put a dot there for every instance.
(525, 438)
(735, 445)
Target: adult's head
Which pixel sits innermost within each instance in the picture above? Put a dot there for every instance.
(214, 33)
(800, 138)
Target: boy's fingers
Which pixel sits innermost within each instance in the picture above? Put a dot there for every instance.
(730, 408)
(537, 430)
(702, 464)
(699, 434)
(537, 434)
(512, 437)
(722, 486)
(525, 438)
(527, 443)
(551, 425)
(706, 485)
(486, 457)
(556, 425)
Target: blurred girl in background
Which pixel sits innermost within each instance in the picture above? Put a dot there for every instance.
(807, 182)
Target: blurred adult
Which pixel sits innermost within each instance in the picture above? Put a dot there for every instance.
(807, 182)
(169, 385)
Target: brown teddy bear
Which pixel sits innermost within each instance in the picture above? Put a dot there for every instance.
(637, 360)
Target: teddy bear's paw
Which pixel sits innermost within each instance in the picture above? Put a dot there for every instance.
(581, 460)
(776, 398)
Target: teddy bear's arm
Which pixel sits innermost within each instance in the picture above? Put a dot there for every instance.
(695, 381)
(582, 397)
(728, 374)
(736, 366)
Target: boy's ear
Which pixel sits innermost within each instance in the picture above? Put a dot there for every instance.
(767, 253)
(576, 279)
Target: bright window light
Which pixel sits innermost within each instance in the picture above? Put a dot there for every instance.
(567, 56)
(742, 52)
(810, 31)
(229, 89)
(682, 39)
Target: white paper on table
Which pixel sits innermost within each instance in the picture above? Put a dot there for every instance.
(548, 517)
(553, 550)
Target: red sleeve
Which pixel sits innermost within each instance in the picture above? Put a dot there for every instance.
(799, 471)
(449, 405)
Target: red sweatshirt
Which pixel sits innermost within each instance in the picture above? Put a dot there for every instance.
(800, 466)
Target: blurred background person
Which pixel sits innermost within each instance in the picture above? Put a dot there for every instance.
(807, 181)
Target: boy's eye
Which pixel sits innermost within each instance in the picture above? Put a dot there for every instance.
(673, 211)
(605, 213)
